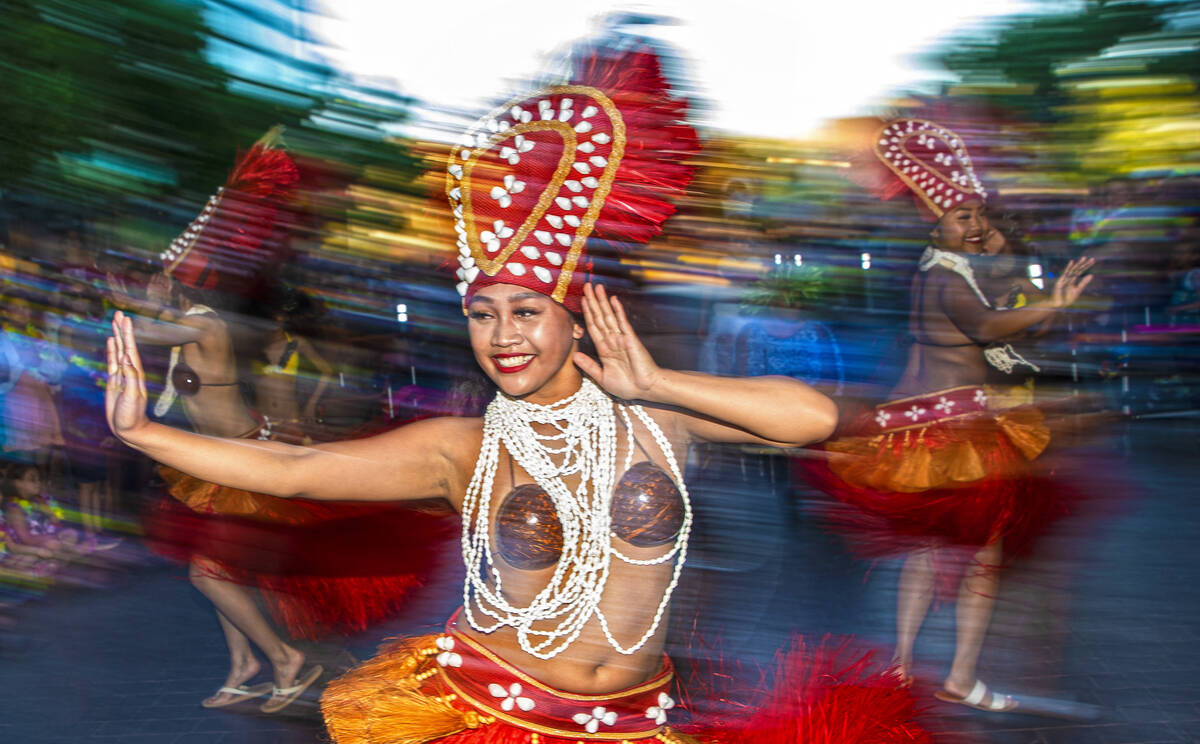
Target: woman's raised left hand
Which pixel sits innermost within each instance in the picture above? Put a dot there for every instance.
(125, 390)
(623, 366)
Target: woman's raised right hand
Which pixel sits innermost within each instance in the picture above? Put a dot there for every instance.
(125, 392)
(1072, 282)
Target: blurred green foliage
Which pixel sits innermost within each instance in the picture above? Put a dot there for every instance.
(1027, 50)
(107, 102)
(789, 286)
(1110, 85)
(103, 100)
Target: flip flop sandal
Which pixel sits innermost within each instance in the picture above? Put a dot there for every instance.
(241, 693)
(282, 697)
(974, 699)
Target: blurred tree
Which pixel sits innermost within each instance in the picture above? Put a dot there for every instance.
(1091, 84)
(1026, 50)
(109, 100)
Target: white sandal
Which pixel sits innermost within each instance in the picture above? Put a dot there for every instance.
(974, 699)
(240, 693)
(282, 697)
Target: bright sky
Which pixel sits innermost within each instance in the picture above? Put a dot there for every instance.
(768, 67)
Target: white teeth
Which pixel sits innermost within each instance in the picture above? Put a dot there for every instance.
(516, 361)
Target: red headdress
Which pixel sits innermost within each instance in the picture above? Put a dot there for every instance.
(239, 231)
(926, 159)
(533, 180)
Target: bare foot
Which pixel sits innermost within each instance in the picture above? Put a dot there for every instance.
(287, 668)
(239, 674)
(899, 670)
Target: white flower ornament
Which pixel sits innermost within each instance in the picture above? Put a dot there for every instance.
(510, 697)
(503, 194)
(658, 713)
(447, 657)
(882, 419)
(492, 239)
(513, 153)
(591, 721)
(980, 396)
(944, 405)
(915, 412)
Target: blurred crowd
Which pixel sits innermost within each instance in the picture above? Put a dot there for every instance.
(778, 260)
(753, 276)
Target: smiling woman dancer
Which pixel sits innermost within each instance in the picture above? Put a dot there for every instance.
(941, 465)
(575, 516)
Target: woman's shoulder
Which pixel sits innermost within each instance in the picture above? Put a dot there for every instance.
(447, 432)
(458, 439)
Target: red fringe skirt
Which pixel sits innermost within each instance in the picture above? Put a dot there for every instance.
(450, 689)
(322, 566)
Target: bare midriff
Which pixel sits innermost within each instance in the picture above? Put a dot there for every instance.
(590, 665)
(275, 397)
(942, 356)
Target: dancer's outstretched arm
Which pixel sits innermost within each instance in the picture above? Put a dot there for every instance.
(984, 325)
(422, 460)
(774, 410)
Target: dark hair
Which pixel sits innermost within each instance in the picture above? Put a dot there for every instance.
(301, 313)
(1013, 226)
(14, 471)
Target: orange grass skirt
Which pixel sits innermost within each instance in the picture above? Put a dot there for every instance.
(960, 474)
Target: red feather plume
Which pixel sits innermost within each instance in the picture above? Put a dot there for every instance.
(243, 227)
(658, 143)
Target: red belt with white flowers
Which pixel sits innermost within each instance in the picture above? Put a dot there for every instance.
(496, 688)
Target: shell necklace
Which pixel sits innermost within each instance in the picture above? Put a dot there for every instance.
(581, 444)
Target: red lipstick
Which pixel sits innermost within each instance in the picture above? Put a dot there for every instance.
(511, 369)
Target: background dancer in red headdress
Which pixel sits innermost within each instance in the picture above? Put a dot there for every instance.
(941, 466)
(234, 538)
(575, 516)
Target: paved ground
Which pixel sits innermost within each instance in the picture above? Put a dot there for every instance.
(1100, 628)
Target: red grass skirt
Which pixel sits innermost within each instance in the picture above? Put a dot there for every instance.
(322, 566)
(450, 689)
(948, 468)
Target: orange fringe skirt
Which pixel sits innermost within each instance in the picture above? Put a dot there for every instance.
(951, 467)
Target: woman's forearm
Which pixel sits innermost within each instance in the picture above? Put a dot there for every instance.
(780, 409)
(1004, 323)
(250, 464)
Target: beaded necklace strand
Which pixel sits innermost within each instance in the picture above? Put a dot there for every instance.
(583, 442)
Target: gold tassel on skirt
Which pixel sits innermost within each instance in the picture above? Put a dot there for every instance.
(382, 700)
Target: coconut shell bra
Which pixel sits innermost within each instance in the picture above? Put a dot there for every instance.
(647, 511)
